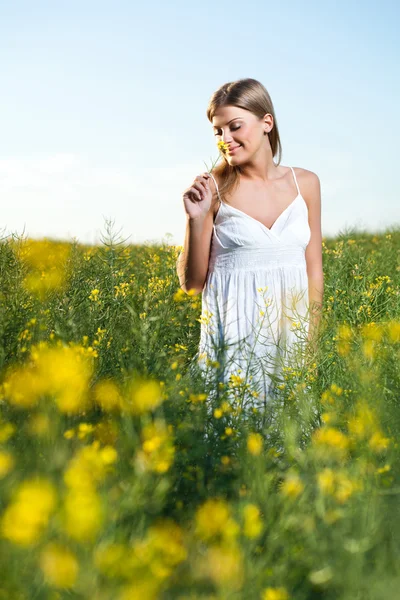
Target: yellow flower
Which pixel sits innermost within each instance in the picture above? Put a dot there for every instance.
(94, 295)
(143, 396)
(59, 565)
(214, 518)
(326, 481)
(180, 295)
(7, 462)
(109, 559)
(222, 146)
(25, 518)
(224, 565)
(83, 514)
(345, 488)
(157, 452)
(276, 593)
(252, 522)
(22, 387)
(197, 398)
(6, 431)
(292, 486)
(88, 467)
(364, 422)
(393, 330)
(378, 443)
(107, 395)
(254, 444)
(46, 261)
(330, 441)
(235, 380)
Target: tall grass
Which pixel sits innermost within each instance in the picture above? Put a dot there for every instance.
(125, 474)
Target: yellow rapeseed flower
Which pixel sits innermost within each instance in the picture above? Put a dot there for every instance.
(224, 566)
(252, 526)
(378, 442)
(110, 559)
(83, 514)
(364, 422)
(22, 387)
(180, 295)
(141, 588)
(214, 518)
(26, 517)
(6, 431)
(7, 462)
(59, 371)
(329, 441)
(275, 593)
(345, 487)
(372, 331)
(143, 396)
(326, 481)
(59, 565)
(292, 486)
(157, 452)
(47, 261)
(106, 394)
(197, 398)
(167, 540)
(89, 466)
(68, 373)
(254, 444)
(222, 146)
(393, 331)
(94, 295)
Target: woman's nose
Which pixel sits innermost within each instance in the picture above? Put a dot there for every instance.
(226, 137)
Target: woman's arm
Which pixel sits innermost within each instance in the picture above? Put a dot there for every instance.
(314, 253)
(192, 263)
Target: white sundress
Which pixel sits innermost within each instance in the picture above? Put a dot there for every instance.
(255, 298)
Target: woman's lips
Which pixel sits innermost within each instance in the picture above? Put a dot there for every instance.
(234, 149)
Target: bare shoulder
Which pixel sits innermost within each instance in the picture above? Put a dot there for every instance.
(309, 184)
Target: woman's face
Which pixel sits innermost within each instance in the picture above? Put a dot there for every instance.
(242, 131)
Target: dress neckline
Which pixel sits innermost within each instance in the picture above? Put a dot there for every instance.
(257, 220)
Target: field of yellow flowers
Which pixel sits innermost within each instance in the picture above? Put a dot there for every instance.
(119, 480)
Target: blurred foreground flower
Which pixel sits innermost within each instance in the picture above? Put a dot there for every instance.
(63, 372)
(26, 517)
(59, 565)
(45, 261)
(157, 451)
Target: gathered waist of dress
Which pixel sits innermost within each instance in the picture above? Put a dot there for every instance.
(258, 258)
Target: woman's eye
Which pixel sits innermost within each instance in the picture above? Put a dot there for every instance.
(233, 129)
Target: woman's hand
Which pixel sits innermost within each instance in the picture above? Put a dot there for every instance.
(197, 198)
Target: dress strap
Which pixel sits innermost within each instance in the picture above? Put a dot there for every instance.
(216, 185)
(297, 185)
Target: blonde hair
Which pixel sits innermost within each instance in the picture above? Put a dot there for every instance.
(250, 95)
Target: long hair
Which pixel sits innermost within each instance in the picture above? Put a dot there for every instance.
(251, 95)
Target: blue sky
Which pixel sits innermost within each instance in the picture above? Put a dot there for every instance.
(103, 108)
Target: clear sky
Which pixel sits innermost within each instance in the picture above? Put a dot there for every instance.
(103, 108)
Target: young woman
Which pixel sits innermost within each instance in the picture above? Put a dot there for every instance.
(253, 244)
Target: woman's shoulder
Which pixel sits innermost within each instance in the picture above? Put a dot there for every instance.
(309, 184)
(305, 175)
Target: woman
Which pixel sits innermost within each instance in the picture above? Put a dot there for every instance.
(253, 245)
